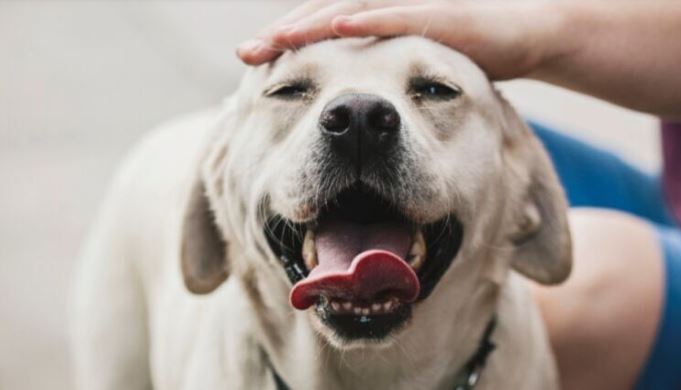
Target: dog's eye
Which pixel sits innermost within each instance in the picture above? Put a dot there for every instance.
(289, 91)
(428, 89)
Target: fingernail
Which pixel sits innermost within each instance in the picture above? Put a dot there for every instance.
(343, 19)
(250, 45)
(284, 29)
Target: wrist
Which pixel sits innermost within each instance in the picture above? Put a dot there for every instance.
(554, 29)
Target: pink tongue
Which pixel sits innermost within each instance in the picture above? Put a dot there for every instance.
(359, 263)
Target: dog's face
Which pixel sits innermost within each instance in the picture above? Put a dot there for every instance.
(366, 169)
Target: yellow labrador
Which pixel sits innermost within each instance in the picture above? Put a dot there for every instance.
(350, 220)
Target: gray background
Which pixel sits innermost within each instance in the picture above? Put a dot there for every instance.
(80, 81)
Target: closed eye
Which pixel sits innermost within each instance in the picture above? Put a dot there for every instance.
(424, 88)
(290, 91)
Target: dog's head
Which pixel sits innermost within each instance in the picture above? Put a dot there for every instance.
(370, 176)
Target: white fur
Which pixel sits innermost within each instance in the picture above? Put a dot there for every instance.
(136, 324)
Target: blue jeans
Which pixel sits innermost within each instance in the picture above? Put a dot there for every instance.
(594, 177)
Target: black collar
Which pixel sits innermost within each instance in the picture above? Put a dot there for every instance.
(469, 376)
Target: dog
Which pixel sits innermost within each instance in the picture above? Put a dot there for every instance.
(360, 214)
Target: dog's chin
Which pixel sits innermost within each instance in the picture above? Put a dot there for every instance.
(359, 266)
(349, 329)
(347, 333)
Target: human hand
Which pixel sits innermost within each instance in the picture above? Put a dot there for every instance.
(506, 39)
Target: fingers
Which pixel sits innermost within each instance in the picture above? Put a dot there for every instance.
(317, 26)
(257, 51)
(388, 22)
(260, 49)
(309, 23)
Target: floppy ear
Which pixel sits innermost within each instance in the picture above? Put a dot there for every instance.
(203, 252)
(540, 236)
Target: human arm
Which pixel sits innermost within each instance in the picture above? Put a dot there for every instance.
(626, 52)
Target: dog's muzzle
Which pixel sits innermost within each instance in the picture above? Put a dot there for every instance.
(360, 260)
(361, 263)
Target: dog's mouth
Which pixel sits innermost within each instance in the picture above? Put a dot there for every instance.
(362, 263)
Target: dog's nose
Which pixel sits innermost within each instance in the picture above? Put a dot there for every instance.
(360, 127)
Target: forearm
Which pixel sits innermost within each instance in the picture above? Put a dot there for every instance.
(626, 52)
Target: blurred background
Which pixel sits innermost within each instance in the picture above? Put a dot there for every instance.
(80, 81)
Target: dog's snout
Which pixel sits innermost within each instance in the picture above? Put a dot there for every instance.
(360, 126)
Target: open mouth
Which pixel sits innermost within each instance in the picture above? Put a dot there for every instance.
(362, 264)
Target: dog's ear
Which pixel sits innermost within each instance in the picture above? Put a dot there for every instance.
(203, 250)
(540, 235)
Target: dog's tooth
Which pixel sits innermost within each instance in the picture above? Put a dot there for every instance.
(366, 311)
(347, 306)
(417, 252)
(335, 306)
(309, 250)
(388, 305)
(416, 262)
(376, 307)
(418, 246)
(357, 310)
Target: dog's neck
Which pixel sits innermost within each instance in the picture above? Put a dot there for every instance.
(467, 378)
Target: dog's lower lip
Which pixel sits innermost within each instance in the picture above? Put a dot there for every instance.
(364, 322)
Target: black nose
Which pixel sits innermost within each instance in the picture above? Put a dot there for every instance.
(360, 127)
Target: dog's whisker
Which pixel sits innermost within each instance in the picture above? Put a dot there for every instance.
(426, 27)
